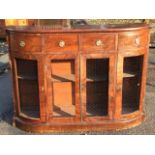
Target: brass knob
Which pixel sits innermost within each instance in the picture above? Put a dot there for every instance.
(137, 41)
(61, 43)
(99, 43)
(22, 43)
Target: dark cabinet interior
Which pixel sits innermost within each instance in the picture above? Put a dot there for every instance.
(28, 87)
(132, 69)
(97, 87)
(63, 86)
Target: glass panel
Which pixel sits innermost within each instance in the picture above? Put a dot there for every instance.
(26, 68)
(28, 87)
(97, 87)
(132, 72)
(29, 101)
(63, 86)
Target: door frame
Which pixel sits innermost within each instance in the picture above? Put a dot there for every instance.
(50, 117)
(120, 62)
(111, 85)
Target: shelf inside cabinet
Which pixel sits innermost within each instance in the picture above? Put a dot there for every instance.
(63, 78)
(27, 77)
(66, 111)
(129, 74)
(96, 79)
(71, 78)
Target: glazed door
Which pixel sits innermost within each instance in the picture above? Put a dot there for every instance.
(97, 86)
(63, 88)
(28, 87)
(131, 80)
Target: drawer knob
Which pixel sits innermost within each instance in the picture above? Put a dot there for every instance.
(22, 43)
(137, 41)
(99, 43)
(61, 43)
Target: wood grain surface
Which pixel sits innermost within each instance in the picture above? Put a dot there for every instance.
(95, 81)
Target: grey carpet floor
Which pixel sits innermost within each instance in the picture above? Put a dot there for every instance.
(146, 128)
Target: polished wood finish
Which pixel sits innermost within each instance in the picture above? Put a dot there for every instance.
(84, 78)
(88, 42)
(28, 40)
(53, 43)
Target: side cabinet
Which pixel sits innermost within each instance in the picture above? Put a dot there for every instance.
(72, 79)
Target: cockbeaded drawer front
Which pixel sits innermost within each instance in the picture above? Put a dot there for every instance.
(97, 41)
(132, 40)
(27, 43)
(60, 43)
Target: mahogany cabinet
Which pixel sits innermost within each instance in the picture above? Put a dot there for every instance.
(84, 78)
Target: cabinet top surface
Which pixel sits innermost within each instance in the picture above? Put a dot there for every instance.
(78, 28)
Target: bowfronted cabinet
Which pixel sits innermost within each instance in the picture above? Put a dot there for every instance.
(90, 78)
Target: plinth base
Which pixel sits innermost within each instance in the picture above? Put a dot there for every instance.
(79, 127)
